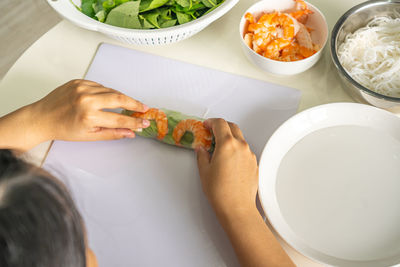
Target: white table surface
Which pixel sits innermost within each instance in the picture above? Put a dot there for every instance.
(65, 52)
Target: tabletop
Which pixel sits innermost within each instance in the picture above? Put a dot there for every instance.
(65, 53)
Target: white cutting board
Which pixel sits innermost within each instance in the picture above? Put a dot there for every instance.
(141, 200)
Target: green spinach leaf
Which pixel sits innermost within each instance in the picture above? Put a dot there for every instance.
(168, 23)
(183, 17)
(184, 3)
(146, 5)
(152, 18)
(209, 3)
(125, 15)
(87, 7)
(147, 14)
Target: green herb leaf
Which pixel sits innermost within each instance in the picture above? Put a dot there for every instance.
(135, 14)
(119, 2)
(195, 7)
(183, 17)
(211, 9)
(87, 7)
(108, 5)
(152, 18)
(209, 3)
(187, 139)
(125, 15)
(165, 13)
(145, 23)
(168, 23)
(146, 5)
(183, 3)
(101, 16)
(98, 5)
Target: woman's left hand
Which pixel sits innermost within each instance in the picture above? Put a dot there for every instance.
(74, 111)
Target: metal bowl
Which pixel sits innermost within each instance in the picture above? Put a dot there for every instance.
(352, 20)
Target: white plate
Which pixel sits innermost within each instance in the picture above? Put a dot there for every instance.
(330, 184)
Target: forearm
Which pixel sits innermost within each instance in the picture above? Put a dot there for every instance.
(21, 130)
(254, 243)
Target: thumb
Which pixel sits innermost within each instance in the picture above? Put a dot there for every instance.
(112, 134)
(203, 159)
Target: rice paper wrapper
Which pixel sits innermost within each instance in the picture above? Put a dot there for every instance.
(173, 117)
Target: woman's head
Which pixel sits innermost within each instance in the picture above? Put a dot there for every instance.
(39, 223)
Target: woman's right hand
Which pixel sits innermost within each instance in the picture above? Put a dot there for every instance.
(230, 181)
(230, 176)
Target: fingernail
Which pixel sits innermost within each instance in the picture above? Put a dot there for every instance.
(145, 123)
(145, 107)
(129, 134)
(139, 130)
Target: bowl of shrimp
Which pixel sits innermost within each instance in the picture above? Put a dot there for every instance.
(284, 37)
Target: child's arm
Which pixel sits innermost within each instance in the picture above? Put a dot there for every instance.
(72, 112)
(230, 182)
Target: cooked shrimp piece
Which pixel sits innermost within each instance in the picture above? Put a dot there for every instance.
(302, 11)
(261, 39)
(249, 17)
(269, 27)
(303, 37)
(283, 24)
(291, 53)
(274, 48)
(281, 36)
(159, 117)
(248, 39)
(202, 136)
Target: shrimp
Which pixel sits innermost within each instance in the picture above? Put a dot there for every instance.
(159, 116)
(303, 37)
(250, 18)
(258, 35)
(291, 53)
(302, 11)
(202, 136)
(274, 48)
(248, 39)
(261, 39)
(269, 27)
(295, 52)
(283, 24)
(281, 36)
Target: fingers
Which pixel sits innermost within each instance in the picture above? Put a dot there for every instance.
(203, 159)
(118, 100)
(115, 120)
(102, 97)
(236, 132)
(220, 129)
(111, 134)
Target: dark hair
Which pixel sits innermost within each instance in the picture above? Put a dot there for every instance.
(39, 223)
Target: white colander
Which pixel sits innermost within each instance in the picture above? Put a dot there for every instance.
(140, 37)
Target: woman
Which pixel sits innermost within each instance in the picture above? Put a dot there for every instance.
(39, 223)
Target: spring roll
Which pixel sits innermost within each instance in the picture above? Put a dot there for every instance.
(175, 128)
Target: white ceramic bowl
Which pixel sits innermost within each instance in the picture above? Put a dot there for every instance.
(138, 36)
(336, 197)
(319, 36)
